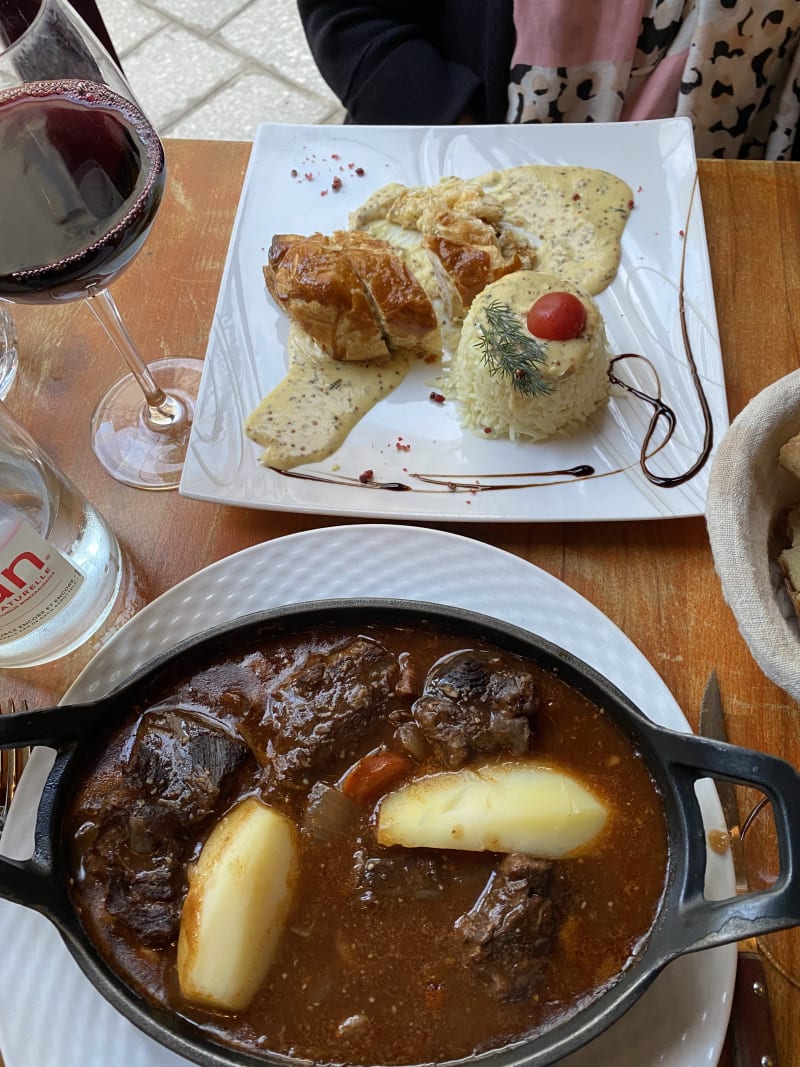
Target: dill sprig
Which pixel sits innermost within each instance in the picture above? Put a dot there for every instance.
(507, 349)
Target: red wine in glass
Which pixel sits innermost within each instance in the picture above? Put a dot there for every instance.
(82, 174)
(81, 178)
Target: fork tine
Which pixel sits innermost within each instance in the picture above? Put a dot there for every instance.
(5, 777)
(12, 762)
(11, 783)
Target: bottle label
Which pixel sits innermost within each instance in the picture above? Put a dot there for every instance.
(36, 581)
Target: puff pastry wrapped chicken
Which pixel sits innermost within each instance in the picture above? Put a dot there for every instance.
(353, 295)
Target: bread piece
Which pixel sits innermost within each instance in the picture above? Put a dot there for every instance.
(789, 561)
(789, 455)
(315, 285)
(789, 558)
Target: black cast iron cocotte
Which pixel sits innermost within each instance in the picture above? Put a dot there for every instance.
(685, 922)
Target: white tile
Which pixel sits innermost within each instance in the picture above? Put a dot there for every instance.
(235, 111)
(205, 15)
(128, 23)
(174, 71)
(272, 34)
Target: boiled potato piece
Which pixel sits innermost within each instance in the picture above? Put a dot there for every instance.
(498, 807)
(239, 895)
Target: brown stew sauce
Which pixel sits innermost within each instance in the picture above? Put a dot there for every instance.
(375, 972)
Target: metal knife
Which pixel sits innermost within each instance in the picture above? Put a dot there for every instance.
(751, 1033)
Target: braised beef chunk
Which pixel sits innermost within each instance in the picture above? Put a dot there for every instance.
(509, 933)
(231, 688)
(317, 711)
(469, 706)
(142, 889)
(148, 899)
(181, 761)
(172, 781)
(403, 875)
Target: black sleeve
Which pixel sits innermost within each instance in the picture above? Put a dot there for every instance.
(90, 14)
(383, 63)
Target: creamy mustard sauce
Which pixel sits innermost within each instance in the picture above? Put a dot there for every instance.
(308, 415)
(576, 215)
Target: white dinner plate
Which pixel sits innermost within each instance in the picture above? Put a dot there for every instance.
(287, 189)
(52, 1015)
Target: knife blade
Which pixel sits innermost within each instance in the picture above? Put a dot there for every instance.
(751, 1031)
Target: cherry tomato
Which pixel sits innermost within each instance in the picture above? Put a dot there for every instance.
(557, 317)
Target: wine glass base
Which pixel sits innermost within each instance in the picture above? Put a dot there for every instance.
(126, 446)
(8, 372)
(8, 351)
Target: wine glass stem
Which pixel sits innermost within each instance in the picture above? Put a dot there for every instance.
(162, 412)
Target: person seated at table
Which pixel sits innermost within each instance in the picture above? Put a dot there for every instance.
(731, 66)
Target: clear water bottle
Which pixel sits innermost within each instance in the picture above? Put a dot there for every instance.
(8, 349)
(60, 564)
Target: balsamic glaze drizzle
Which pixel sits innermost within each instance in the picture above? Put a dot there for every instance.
(450, 481)
(443, 482)
(343, 479)
(662, 410)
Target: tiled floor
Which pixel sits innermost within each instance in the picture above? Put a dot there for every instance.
(216, 68)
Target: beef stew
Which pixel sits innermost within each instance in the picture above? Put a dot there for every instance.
(389, 954)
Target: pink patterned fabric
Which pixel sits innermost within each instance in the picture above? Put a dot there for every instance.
(732, 66)
(557, 33)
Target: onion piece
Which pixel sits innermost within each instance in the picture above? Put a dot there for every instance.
(139, 839)
(411, 739)
(328, 813)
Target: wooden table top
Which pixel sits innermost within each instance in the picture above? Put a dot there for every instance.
(655, 580)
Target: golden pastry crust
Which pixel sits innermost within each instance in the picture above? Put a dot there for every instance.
(314, 283)
(401, 305)
(471, 213)
(353, 295)
(461, 225)
(471, 268)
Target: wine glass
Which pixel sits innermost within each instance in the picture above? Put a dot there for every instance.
(82, 174)
(8, 350)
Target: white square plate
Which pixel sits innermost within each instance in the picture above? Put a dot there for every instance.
(289, 189)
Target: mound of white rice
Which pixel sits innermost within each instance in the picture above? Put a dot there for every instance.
(575, 371)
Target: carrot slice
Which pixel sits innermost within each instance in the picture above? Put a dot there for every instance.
(374, 774)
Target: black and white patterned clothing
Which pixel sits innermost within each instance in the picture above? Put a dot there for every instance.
(731, 66)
